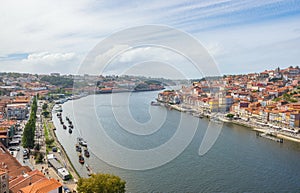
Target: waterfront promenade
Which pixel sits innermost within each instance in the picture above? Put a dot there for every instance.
(46, 124)
(280, 133)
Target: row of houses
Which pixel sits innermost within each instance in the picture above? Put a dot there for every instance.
(272, 96)
(15, 178)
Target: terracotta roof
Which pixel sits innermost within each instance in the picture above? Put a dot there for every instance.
(45, 185)
(8, 162)
(25, 180)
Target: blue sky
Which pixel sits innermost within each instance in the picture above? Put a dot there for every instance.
(56, 36)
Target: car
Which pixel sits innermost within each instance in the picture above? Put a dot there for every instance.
(66, 189)
(25, 152)
(54, 149)
(12, 149)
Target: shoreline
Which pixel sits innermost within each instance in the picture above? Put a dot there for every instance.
(266, 130)
(64, 154)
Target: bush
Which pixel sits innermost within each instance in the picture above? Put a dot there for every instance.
(230, 115)
(49, 142)
(39, 157)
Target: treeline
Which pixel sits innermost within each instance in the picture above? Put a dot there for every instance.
(62, 82)
(29, 130)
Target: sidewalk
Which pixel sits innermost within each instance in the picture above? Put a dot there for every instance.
(61, 157)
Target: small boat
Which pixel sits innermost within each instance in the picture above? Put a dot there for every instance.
(154, 103)
(81, 159)
(201, 116)
(81, 141)
(86, 153)
(70, 131)
(78, 148)
(215, 120)
(71, 126)
(64, 127)
(89, 170)
(57, 108)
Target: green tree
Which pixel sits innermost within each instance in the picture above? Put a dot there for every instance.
(104, 183)
(29, 129)
(45, 106)
(230, 115)
(46, 114)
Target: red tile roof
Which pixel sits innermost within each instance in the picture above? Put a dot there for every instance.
(45, 185)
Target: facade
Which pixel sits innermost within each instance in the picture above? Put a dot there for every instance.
(17, 111)
(214, 105)
(295, 120)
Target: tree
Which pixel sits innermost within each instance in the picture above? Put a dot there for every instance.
(46, 114)
(106, 183)
(29, 130)
(45, 106)
(230, 115)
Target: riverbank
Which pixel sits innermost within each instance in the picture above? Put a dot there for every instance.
(280, 134)
(61, 154)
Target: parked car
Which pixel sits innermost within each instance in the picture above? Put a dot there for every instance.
(54, 149)
(25, 154)
(14, 149)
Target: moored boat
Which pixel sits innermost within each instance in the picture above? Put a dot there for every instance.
(86, 153)
(154, 103)
(81, 141)
(81, 159)
(89, 170)
(78, 148)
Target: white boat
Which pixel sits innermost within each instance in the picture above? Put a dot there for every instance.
(57, 108)
(81, 141)
(216, 120)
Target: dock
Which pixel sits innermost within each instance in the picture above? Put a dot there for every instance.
(269, 136)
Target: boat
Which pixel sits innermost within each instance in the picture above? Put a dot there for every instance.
(86, 153)
(71, 126)
(154, 103)
(89, 170)
(78, 148)
(81, 141)
(81, 159)
(57, 108)
(64, 127)
(215, 120)
(201, 116)
(225, 120)
(70, 131)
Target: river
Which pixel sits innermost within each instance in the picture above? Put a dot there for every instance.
(239, 161)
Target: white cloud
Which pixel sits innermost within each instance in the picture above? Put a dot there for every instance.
(44, 62)
(52, 30)
(48, 58)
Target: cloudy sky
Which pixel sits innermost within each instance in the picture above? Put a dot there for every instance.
(240, 35)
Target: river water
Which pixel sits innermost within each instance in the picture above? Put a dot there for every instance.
(239, 161)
